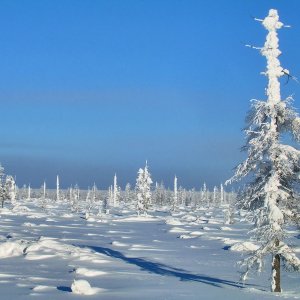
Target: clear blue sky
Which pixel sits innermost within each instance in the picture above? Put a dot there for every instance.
(90, 88)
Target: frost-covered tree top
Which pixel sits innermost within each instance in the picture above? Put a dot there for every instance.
(271, 52)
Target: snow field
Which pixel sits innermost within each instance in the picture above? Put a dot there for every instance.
(124, 256)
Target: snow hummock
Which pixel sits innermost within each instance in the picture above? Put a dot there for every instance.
(11, 249)
(244, 246)
(82, 287)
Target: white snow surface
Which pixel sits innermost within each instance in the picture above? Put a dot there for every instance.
(125, 256)
(10, 249)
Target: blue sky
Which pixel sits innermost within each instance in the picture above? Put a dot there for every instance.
(90, 88)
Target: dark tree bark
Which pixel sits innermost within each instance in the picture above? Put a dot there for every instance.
(276, 271)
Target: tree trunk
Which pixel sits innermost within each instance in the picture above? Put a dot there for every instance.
(276, 271)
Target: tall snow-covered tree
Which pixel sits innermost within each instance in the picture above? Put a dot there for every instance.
(143, 190)
(271, 166)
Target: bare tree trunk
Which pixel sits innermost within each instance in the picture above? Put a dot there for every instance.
(276, 271)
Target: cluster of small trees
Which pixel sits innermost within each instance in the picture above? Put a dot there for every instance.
(142, 197)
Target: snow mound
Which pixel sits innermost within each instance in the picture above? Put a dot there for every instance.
(119, 244)
(21, 208)
(82, 287)
(189, 218)
(10, 249)
(225, 228)
(28, 224)
(67, 216)
(230, 242)
(140, 218)
(178, 230)
(187, 236)
(214, 221)
(245, 246)
(172, 221)
(196, 233)
(42, 288)
(47, 247)
(88, 272)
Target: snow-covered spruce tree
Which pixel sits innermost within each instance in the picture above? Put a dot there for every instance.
(143, 190)
(127, 194)
(3, 191)
(159, 194)
(89, 203)
(204, 195)
(272, 166)
(10, 187)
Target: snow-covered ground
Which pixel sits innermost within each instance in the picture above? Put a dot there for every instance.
(55, 254)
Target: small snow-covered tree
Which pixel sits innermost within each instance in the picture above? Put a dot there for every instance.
(159, 194)
(215, 196)
(10, 187)
(43, 195)
(204, 195)
(74, 198)
(175, 196)
(44, 190)
(3, 191)
(29, 192)
(273, 167)
(105, 203)
(94, 193)
(89, 203)
(57, 188)
(181, 195)
(143, 190)
(116, 192)
(222, 193)
(110, 199)
(128, 197)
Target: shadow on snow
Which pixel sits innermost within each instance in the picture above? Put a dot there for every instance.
(164, 270)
